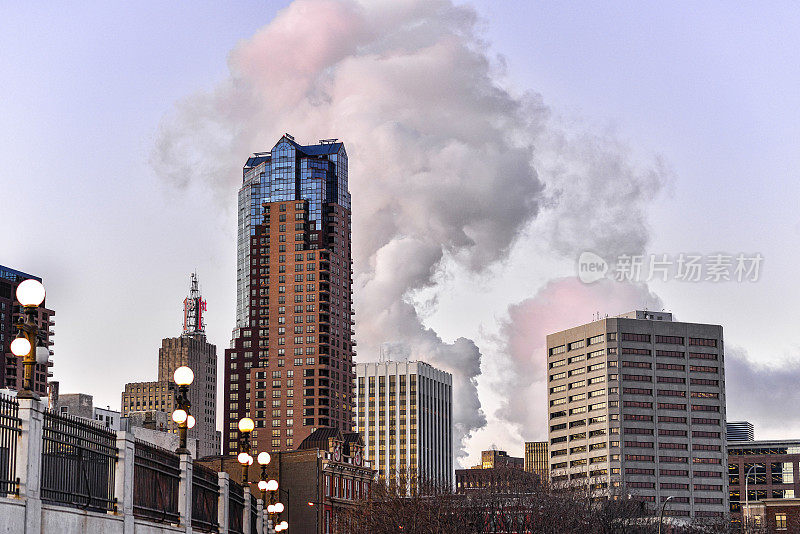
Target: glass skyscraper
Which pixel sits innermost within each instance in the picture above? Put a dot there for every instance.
(289, 366)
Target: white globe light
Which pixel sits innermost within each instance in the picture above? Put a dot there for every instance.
(262, 485)
(270, 509)
(42, 355)
(272, 485)
(190, 421)
(246, 424)
(183, 376)
(21, 347)
(263, 458)
(30, 292)
(244, 458)
(179, 416)
(284, 525)
(278, 507)
(278, 528)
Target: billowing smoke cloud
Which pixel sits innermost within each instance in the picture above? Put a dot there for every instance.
(754, 391)
(440, 154)
(561, 304)
(442, 158)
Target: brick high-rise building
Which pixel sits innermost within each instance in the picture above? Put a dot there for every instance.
(290, 365)
(11, 370)
(637, 405)
(190, 349)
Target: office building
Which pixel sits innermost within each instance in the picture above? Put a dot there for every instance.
(193, 350)
(740, 431)
(494, 458)
(536, 459)
(289, 367)
(82, 405)
(404, 411)
(771, 469)
(11, 370)
(637, 405)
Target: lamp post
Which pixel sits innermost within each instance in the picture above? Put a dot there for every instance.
(663, 507)
(183, 377)
(246, 426)
(273, 508)
(30, 293)
(745, 512)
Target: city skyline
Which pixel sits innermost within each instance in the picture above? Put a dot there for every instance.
(149, 147)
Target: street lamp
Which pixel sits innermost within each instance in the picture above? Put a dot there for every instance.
(246, 425)
(663, 507)
(263, 460)
(746, 511)
(30, 293)
(183, 377)
(283, 525)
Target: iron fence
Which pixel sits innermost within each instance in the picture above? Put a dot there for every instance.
(78, 463)
(156, 477)
(205, 497)
(253, 513)
(235, 508)
(9, 432)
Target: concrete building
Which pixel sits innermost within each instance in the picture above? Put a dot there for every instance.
(82, 405)
(637, 404)
(328, 470)
(536, 459)
(193, 350)
(404, 411)
(740, 431)
(494, 458)
(11, 370)
(774, 472)
(289, 367)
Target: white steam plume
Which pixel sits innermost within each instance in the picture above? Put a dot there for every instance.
(440, 154)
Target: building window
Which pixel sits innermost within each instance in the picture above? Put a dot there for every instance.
(780, 521)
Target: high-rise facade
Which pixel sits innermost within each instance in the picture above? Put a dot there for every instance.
(11, 371)
(536, 459)
(637, 405)
(404, 411)
(193, 350)
(290, 364)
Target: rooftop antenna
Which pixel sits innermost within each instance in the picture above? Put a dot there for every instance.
(290, 136)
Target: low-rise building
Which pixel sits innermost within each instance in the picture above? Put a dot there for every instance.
(773, 516)
(768, 469)
(321, 480)
(82, 405)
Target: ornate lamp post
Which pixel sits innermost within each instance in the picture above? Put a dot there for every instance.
(30, 293)
(183, 376)
(246, 426)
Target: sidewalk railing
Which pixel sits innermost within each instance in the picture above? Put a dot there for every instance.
(78, 463)
(156, 477)
(9, 433)
(58, 465)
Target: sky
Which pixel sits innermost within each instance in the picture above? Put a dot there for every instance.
(624, 128)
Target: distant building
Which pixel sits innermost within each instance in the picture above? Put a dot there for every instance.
(82, 405)
(740, 431)
(494, 458)
(773, 468)
(404, 412)
(11, 369)
(536, 460)
(774, 515)
(324, 477)
(637, 404)
(190, 349)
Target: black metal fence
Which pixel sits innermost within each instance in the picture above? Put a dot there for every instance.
(156, 478)
(205, 497)
(235, 508)
(253, 513)
(9, 432)
(78, 463)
